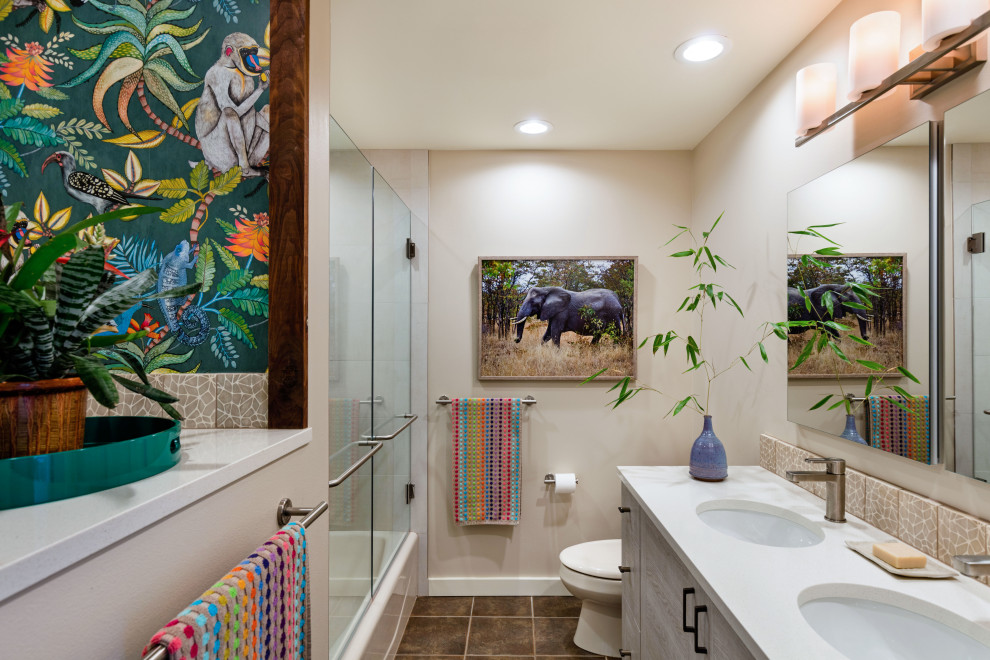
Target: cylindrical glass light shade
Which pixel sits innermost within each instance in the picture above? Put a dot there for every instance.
(815, 95)
(874, 50)
(942, 18)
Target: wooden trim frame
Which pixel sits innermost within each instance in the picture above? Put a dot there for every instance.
(288, 202)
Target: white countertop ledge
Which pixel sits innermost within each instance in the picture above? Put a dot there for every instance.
(41, 540)
(757, 587)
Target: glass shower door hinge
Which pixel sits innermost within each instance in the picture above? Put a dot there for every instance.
(410, 249)
(410, 492)
(976, 243)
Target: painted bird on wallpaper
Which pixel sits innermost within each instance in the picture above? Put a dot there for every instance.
(87, 188)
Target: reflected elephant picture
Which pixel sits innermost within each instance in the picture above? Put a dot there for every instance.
(556, 318)
(882, 324)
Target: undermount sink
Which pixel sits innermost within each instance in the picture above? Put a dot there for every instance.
(763, 524)
(877, 624)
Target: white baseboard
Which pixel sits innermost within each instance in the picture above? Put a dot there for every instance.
(517, 586)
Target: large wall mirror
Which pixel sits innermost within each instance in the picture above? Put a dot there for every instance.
(860, 280)
(967, 287)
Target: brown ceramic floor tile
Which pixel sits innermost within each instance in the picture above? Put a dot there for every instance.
(556, 637)
(431, 657)
(502, 606)
(500, 635)
(435, 635)
(568, 606)
(562, 657)
(497, 657)
(442, 606)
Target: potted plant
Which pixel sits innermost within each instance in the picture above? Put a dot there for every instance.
(821, 295)
(708, 460)
(52, 303)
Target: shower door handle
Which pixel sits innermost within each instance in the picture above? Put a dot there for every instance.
(375, 446)
(409, 417)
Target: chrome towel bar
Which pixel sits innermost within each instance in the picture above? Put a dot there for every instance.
(391, 436)
(445, 400)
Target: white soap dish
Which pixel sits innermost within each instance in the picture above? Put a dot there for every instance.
(934, 569)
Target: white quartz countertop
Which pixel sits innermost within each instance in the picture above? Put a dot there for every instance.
(40, 540)
(757, 587)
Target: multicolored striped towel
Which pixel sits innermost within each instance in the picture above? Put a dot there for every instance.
(486, 461)
(897, 431)
(258, 611)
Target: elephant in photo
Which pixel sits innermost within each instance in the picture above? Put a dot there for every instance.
(841, 294)
(584, 312)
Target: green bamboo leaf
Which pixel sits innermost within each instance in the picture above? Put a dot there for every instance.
(829, 252)
(821, 403)
(908, 374)
(711, 258)
(683, 253)
(829, 303)
(717, 220)
(837, 404)
(835, 349)
(763, 352)
(745, 364)
(872, 366)
(677, 235)
(903, 392)
(869, 386)
(805, 353)
(594, 376)
(860, 340)
(680, 405)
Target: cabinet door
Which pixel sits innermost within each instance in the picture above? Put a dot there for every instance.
(723, 642)
(631, 541)
(664, 600)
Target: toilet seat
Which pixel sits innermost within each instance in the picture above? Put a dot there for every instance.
(598, 559)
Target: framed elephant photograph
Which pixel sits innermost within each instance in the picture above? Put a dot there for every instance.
(556, 318)
(881, 324)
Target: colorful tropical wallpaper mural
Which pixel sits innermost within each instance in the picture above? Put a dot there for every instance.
(162, 103)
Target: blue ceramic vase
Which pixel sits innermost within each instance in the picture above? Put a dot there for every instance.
(850, 432)
(708, 456)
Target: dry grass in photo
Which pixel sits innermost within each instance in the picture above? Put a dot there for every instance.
(576, 357)
(887, 350)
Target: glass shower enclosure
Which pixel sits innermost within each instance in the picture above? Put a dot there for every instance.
(370, 277)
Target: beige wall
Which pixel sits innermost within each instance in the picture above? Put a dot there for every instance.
(513, 203)
(747, 165)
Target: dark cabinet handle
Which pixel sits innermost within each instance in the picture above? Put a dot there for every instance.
(624, 509)
(698, 609)
(624, 653)
(684, 624)
(625, 569)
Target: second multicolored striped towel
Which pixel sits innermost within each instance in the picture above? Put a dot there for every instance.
(486, 461)
(898, 431)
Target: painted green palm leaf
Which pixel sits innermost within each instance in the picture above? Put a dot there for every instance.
(31, 132)
(108, 47)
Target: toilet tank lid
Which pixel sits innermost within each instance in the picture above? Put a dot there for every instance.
(595, 558)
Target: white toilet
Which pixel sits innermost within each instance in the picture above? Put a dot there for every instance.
(590, 571)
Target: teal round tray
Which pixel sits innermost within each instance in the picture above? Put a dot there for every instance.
(116, 451)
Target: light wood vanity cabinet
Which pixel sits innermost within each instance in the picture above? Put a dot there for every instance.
(660, 599)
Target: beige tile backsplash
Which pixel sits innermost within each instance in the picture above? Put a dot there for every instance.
(934, 528)
(206, 401)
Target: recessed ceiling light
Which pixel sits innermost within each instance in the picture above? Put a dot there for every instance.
(533, 126)
(702, 49)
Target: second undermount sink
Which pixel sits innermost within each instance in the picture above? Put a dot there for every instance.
(865, 623)
(763, 524)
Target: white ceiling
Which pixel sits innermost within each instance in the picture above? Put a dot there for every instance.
(458, 74)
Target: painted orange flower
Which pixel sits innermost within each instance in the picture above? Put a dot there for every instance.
(251, 238)
(27, 67)
(149, 325)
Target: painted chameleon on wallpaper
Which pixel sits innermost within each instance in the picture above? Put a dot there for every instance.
(172, 273)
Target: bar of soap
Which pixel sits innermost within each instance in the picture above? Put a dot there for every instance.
(899, 555)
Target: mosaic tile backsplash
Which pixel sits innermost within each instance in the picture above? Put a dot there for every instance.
(207, 401)
(933, 528)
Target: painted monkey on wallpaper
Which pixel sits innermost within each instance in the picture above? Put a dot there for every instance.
(230, 130)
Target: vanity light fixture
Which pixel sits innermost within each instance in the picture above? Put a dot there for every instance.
(815, 95)
(702, 49)
(927, 71)
(942, 18)
(533, 127)
(874, 48)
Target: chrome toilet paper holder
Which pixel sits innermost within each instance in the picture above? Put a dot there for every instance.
(550, 479)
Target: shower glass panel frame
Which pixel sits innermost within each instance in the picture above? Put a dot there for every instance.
(369, 353)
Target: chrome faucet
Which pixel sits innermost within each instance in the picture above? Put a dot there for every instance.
(972, 565)
(834, 477)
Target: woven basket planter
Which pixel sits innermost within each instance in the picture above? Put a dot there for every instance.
(42, 417)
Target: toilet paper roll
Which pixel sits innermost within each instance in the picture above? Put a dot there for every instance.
(565, 482)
